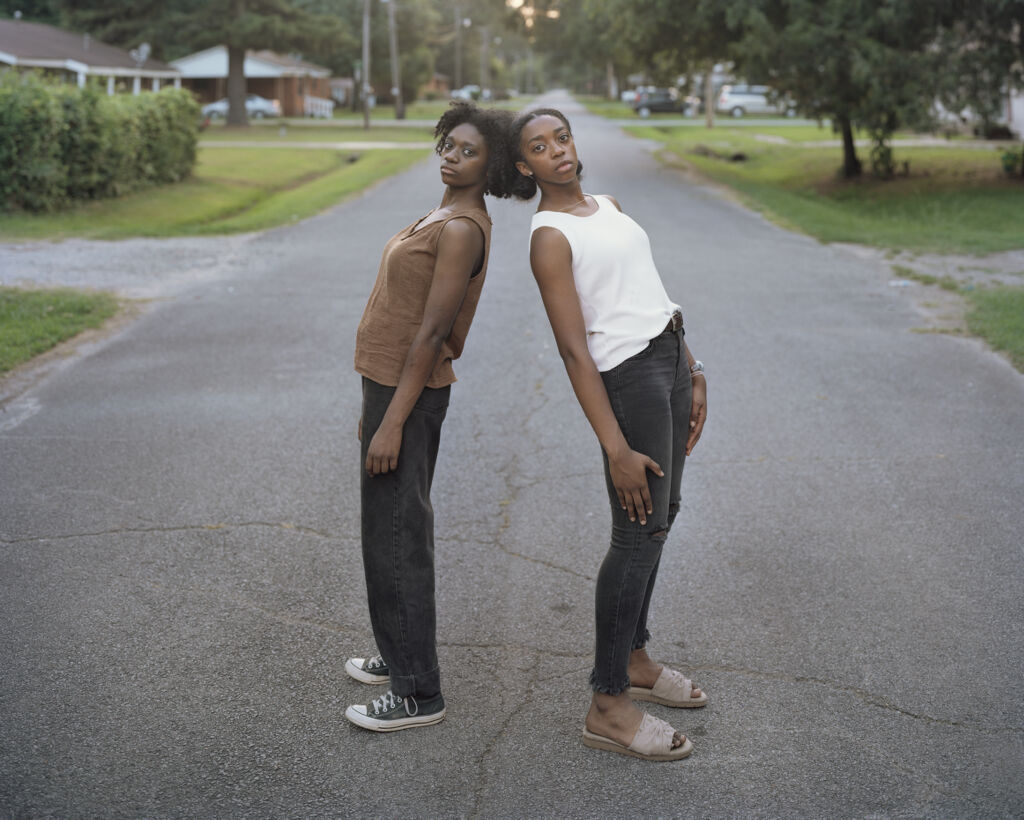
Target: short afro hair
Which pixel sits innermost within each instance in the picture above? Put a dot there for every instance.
(493, 125)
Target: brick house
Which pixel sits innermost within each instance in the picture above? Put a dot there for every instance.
(301, 88)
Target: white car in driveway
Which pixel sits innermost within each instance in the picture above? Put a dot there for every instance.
(256, 107)
(739, 100)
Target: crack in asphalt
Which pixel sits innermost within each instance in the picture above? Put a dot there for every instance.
(865, 696)
(281, 525)
(247, 603)
(483, 781)
(515, 647)
(508, 472)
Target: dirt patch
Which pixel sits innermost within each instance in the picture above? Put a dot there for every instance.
(935, 281)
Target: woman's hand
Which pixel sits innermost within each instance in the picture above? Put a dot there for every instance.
(382, 455)
(629, 476)
(698, 412)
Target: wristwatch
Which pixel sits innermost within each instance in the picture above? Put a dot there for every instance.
(696, 367)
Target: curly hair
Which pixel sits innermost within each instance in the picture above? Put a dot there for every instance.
(493, 125)
(518, 185)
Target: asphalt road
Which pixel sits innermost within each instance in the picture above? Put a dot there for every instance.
(180, 578)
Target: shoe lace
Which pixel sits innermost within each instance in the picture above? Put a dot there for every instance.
(376, 662)
(389, 700)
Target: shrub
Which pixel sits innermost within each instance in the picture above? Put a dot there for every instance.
(32, 174)
(60, 143)
(1013, 163)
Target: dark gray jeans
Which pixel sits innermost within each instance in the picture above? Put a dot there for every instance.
(650, 394)
(398, 541)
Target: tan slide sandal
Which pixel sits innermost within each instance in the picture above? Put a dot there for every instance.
(670, 689)
(652, 741)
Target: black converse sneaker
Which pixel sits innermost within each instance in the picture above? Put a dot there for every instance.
(368, 670)
(390, 712)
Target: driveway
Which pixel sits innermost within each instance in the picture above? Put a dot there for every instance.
(180, 577)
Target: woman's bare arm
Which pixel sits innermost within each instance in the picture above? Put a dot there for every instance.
(551, 260)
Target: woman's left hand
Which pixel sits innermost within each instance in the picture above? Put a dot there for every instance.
(382, 454)
(698, 412)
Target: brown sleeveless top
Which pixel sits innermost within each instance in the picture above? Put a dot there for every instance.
(394, 311)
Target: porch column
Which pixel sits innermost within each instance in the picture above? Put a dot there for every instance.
(81, 79)
(156, 83)
(136, 85)
(177, 82)
(110, 86)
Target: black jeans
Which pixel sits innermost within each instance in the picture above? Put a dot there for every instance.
(398, 541)
(650, 394)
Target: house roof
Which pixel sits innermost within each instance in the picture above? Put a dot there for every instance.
(213, 62)
(288, 61)
(41, 46)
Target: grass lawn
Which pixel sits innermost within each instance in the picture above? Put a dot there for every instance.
(997, 315)
(953, 201)
(33, 321)
(232, 190)
(336, 131)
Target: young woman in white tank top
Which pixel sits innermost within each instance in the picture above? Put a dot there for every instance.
(621, 339)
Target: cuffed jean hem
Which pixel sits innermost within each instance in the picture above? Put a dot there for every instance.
(425, 685)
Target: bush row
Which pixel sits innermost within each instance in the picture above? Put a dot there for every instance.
(60, 143)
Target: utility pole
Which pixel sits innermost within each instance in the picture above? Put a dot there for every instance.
(709, 95)
(485, 84)
(396, 71)
(366, 64)
(457, 80)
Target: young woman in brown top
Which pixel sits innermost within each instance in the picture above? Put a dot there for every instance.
(414, 325)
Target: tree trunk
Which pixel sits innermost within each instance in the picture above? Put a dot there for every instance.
(709, 95)
(396, 71)
(236, 86)
(612, 84)
(851, 165)
(365, 91)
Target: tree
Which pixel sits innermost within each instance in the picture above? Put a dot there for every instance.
(37, 11)
(860, 63)
(982, 45)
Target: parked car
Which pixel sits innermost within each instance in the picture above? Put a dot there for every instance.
(652, 100)
(467, 92)
(256, 107)
(739, 100)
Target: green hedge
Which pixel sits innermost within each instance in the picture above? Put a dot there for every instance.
(60, 143)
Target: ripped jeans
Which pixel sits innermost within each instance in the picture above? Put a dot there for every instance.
(650, 394)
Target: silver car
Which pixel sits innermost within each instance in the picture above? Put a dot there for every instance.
(256, 107)
(739, 100)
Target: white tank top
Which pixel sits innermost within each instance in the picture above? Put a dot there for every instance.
(621, 294)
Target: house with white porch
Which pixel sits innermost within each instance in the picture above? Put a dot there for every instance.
(78, 57)
(301, 88)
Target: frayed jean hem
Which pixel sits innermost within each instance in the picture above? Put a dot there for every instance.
(603, 689)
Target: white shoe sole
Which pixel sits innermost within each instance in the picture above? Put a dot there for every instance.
(354, 671)
(375, 725)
